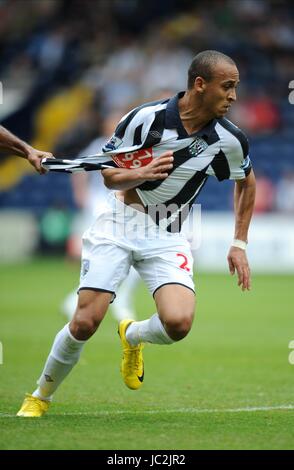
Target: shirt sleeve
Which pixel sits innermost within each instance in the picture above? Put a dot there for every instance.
(134, 131)
(237, 153)
(232, 161)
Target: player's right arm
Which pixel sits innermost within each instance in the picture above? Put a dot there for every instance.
(122, 178)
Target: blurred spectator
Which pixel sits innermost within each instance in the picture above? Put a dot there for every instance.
(167, 66)
(256, 114)
(285, 193)
(265, 194)
(121, 75)
(55, 226)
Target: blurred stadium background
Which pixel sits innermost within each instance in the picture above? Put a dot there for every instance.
(65, 65)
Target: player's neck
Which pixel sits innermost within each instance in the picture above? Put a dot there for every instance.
(193, 116)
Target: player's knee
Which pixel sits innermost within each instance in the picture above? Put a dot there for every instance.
(178, 326)
(83, 328)
(85, 322)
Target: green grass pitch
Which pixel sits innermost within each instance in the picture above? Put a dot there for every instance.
(228, 385)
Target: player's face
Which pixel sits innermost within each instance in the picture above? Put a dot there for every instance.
(220, 92)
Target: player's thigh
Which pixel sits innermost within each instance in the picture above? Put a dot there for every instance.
(168, 273)
(104, 265)
(168, 265)
(92, 304)
(91, 309)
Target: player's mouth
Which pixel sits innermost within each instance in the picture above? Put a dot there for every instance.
(224, 109)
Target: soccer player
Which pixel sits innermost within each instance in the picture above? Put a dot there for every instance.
(183, 140)
(9, 141)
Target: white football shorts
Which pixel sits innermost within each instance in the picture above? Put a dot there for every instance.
(121, 237)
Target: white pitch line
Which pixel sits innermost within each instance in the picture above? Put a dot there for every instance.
(166, 411)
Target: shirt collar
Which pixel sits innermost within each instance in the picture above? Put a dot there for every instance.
(173, 120)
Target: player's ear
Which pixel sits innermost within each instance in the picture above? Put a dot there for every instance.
(199, 85)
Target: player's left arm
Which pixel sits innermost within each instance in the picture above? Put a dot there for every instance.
(244, 197)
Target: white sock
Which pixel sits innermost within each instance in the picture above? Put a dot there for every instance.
(63, 356)
(69, 304)
(148, 331)
(122, 307)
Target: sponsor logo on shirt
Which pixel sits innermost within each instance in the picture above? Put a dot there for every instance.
(135, 159)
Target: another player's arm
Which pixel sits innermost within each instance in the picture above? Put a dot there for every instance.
(244, 198)
(9, 141)
(123, 178)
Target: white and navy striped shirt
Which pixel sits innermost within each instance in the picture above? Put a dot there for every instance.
(219, 149)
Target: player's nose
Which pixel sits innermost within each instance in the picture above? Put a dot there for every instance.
(232, 96)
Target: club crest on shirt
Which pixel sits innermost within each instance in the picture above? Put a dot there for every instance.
(113, 144)
(85, 267)
(198, 145)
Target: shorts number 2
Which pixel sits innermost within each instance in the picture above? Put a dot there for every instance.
(184, 264)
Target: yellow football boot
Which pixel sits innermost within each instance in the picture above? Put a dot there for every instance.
(132, 365)
(33, 407)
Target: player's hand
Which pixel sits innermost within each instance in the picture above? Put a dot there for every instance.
(158, 168)
(35, 156)
(237, 260)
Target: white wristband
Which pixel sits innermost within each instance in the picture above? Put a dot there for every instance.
(239, 244)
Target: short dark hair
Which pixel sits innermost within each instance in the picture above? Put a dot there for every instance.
(203, 63)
